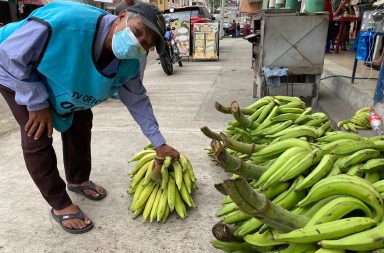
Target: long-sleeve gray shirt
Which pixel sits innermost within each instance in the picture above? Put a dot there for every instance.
(20, 52)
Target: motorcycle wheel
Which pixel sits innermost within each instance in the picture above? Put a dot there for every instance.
(166, 62)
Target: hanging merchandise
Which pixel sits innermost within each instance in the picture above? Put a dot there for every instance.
(366, 40)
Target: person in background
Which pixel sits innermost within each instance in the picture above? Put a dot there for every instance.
(332, 28)
(233, 28)
(238, 30)
(104, 56)
(246, 29)
(344, 9)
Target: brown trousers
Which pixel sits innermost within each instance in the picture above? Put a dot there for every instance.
(40, 157)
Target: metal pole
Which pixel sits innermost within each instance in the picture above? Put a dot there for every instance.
(222, 19)
(379, 97)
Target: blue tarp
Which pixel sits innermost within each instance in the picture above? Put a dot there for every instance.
(272, 76)
(365, 46)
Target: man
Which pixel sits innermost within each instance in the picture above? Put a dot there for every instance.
(247, 29)
(233, 28)
(332, 29)
(123, 5)
(345, 8)
(54, 66)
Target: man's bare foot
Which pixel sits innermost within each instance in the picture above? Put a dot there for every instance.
(73, 223)
(93, 193)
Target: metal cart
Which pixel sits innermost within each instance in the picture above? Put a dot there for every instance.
(295, 41)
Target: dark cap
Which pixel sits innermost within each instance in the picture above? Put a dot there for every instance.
(152, 18)
(122, 6)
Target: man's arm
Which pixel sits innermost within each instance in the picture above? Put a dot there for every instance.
(134, 96)
(19, 54)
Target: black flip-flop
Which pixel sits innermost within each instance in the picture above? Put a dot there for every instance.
(78, 215)
(92, 186)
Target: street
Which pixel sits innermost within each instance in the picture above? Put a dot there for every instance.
(183, 103)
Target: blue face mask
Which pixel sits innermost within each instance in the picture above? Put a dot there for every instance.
(126, 46)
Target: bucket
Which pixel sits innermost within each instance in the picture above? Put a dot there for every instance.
(291, 4)
(264, 5)
(314, 5)
(279, 4)
(271, 4)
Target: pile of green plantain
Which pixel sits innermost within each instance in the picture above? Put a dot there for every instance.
(297, 185)
(359, 121)
(159, 190)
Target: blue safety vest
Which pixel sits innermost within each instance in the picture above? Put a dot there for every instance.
(68, 66)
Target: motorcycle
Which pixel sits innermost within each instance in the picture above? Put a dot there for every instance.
(171, 53)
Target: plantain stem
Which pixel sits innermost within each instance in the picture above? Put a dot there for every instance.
(227, 110)
(210, 134)
(234, 164)
(222, 108)
(224, 232)
(240, 117)
(256, 204)
(219, 187)
(244, 148)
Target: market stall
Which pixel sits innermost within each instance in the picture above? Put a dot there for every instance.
(206, 41)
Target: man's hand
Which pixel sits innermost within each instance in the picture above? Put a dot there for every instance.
(37, 123)
(161, 152)
(165, 150)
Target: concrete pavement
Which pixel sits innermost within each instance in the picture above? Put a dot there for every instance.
(182, 103)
